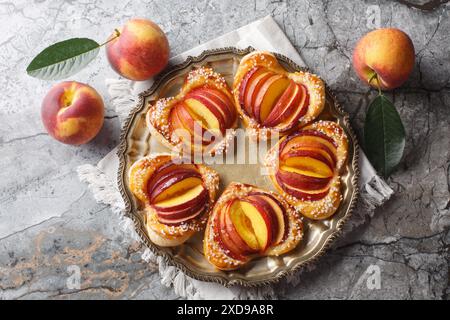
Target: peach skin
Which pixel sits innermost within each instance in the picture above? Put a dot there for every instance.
(176, 196)
(139, 50)
(384, 58)
(72, 112)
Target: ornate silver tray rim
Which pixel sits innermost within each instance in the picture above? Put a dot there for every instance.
(169, 259)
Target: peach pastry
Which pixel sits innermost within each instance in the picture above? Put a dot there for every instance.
(199, 117)
(177, 197)
(308, 169)
(247, 223)
(270, 99)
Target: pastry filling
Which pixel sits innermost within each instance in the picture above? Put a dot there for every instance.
(204, 114)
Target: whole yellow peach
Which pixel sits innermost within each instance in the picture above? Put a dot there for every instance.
(72, 112)
(387, 53)
(139, 50)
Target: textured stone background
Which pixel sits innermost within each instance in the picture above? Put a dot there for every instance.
(49, 221)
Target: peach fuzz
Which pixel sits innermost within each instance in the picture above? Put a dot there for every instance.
(139, 50)
(72, 112)
(388, 53)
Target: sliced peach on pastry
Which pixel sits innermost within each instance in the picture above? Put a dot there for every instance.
(182, 217)
(173, 186)
(181, 119)
(319, 148)
(254, 87)
(243, 88)
(279, 216)
(260, 222)
(162, 178)
(287, 101)
(292, 116)
(192, 193)
(218, 103)
(318, 134)
(266, 210)
(273, 94)
(249, 89)
(225, 101)
(268, 94)
(309, 167)
(183, 207)
(292, 177)
(210, 114)
(191, 123)
(299, 140)
(175, 121)
(165, 169)
(203, 114)
(183, 210)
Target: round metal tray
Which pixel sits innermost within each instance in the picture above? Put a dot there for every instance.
(136, 142)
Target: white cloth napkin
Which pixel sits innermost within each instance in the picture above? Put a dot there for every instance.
(263, 34)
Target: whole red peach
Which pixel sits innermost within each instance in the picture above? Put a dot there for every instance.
(72, 112)
(387, 53)
(139, 50)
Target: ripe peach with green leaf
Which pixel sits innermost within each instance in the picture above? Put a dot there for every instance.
(177, 193)
(384, 58)
(251, 225)
(139, 50)
(72, 112)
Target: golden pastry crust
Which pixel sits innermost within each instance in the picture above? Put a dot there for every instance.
(221, 257)
(314, 85)
(162, 234)
(325, 207)
(158, 115)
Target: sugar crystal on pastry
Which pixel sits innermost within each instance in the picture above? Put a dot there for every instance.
(272, 100)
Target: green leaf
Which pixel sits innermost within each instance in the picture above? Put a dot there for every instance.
(63, 59)
(384, 135)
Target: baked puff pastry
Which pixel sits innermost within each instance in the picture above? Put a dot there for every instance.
(199, 118)
(177, 197)
(270, 99)
(305, 168)
(247, 223)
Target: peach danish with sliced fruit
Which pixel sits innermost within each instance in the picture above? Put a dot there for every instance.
(305, 168)
(200, 118)
(177, 197)
(270, 99)
(247, 223)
